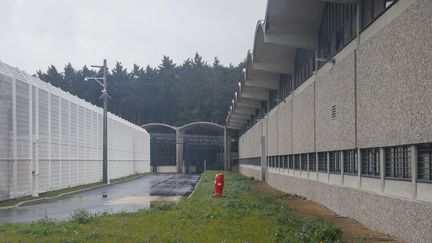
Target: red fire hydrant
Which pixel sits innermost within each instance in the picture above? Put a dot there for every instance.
(219, 183)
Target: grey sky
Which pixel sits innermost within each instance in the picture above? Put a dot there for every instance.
(37, 33)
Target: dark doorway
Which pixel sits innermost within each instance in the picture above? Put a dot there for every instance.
(203, 147)
(162, 146)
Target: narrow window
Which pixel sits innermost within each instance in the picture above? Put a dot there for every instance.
(370, 162)
(350, 162)
(398, 162)
(424, 158)
(322, 162)
(312, 162)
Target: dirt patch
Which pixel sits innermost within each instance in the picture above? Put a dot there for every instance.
(353, 231)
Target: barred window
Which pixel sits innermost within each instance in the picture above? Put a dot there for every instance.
(335, 161)
(370, 162)
(424, 158)
(297, 161)
(322, 162)
(398, 162)
(303, 165)
(350, 162)
(312, 162)
(290, 162)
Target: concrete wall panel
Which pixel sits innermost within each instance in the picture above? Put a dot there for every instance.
(273, 132)
(303, 121)
(370, 209)
(395, 81)
(371, 184)
(336, 87)
(284, 127)
(250, 170)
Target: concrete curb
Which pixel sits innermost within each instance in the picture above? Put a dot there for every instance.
(196, 185)
(66, 194)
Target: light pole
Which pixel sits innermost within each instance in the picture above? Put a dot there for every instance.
(104, 96)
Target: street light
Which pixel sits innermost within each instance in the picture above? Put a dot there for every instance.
(104, 96)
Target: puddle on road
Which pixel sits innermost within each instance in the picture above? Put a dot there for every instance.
(144, 201)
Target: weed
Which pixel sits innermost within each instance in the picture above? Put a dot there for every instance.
(93, 235)
(43, 227)
(316, 231)
(161, 206)
(82, 216)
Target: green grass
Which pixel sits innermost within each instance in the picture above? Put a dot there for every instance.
(55, 193)
(243, 215)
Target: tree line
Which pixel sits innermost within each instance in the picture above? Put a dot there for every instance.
(170, 93)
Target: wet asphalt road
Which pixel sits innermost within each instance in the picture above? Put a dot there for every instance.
(129, 196)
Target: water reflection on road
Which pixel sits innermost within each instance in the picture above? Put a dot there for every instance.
(128, 196)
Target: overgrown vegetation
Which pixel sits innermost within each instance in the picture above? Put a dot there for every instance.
(243, 215)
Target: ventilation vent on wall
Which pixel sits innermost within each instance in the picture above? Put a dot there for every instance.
(333, 112)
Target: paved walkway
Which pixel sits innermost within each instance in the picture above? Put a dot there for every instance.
(129, 196)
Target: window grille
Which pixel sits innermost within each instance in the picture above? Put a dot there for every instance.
(398, 162)
(312, 162)
(285, 159)
(335, 161)
(322, 162)
(297, 162)
(350, 162)
(303, 165)
(424, 162)
(290, 162)
(370, 162)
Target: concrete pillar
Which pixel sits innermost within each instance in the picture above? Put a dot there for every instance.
(227, 149)
(179, 150)
(14, 181)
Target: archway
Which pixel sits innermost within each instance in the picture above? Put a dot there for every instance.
(202, 147)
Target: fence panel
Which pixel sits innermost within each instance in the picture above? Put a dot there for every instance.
(50, 139)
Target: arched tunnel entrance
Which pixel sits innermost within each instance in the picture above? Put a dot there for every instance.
(191, 148)
(203, 147)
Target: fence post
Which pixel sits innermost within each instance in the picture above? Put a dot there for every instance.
(49, 142)
(31, 153)
(14, 141)
(36, 145)
(60, 137)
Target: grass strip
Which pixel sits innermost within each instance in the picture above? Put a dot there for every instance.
(15, 201)
(243, 215)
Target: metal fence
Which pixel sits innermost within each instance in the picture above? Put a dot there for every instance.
(50, 139)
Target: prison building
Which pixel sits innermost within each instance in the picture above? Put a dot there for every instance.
(50, 139)
(335, 105)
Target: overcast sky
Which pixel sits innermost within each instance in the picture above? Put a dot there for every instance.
(35, 34)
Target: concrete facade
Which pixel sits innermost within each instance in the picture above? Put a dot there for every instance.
(376, 94)
(405, 219)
